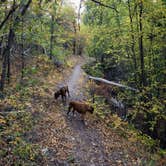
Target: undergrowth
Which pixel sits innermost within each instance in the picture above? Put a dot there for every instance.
(125, 129)
(16, 116)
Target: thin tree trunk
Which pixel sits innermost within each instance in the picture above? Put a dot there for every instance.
(102, 58)
(136, 13)
(101, 17)
(3, 74)
(74, 47)
(133, 41)
(11, 39)
(141, 48)
(78, 46)
(51, 37)
(8, 67)
(6, 60)
(75, 39)
(22, 54)
(1, 45)
(79, 14)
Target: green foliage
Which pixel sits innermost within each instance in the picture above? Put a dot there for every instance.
(25, 151)
(150, 143)
(70, 159)
(30, 71)
(162, 152)
(61, 54)
(19, 121)
(114, 42)
(121, 127)
(100, 107)
(12, 138)
(95, 70)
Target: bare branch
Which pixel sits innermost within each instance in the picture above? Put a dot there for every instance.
(13, 9)
(25, 7)
(105, 5)
(26, 51)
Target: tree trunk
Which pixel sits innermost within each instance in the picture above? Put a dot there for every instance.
(8, 68)
(3, 74)
(1, 45)
(6, 60)
(51, 37)
(141, 48)
(97, 79)
(75, 39)
(102, 58)
(133, 41)
(22, 54)
(79, 14)
(11, 39)
(6, 53)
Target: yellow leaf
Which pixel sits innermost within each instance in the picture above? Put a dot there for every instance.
(2, 120)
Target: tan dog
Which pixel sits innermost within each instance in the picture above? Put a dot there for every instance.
(62, 92)
(80, 107)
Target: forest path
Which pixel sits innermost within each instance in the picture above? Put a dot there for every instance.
(88, 149)
(66, 140)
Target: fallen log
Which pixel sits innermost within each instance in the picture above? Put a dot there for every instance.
(112, 83)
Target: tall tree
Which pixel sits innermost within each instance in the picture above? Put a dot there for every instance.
(6, 54)
(132, 39)
(141, 47)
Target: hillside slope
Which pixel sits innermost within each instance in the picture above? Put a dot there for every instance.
(57, 139)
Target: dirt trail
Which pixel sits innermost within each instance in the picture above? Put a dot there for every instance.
(88, 150)
(67, 141)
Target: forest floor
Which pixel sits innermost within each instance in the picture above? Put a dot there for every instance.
(66, 140)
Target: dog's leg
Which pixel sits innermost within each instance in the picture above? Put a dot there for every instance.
(83, 119)
(69, 109)
(73, 112)
(62, 97)
(68, 92)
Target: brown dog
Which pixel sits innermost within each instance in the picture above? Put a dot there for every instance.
(80, 107)
(62, 92)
